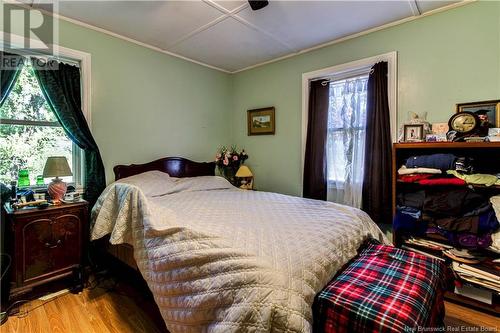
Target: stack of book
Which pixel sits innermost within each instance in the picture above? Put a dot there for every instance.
(482, 276)
(426, 247)
(477, 275)
(481, 283)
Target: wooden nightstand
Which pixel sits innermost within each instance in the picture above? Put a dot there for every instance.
(45, 245)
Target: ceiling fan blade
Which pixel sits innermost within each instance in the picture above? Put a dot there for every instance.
(258, 4)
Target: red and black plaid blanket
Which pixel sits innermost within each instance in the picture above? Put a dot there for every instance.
(384, 289)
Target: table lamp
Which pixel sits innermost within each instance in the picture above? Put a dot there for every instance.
(245, 173)
(57, 166)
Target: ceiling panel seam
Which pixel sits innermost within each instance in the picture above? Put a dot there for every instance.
(199, 30)
(263, 31)
(225, 14)
(414, 7)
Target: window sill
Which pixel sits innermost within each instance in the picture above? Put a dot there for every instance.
(78, 188)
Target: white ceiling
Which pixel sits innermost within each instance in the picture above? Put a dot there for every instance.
(229, 35)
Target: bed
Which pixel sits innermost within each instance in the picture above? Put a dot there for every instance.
(175, 167)
(221, 259)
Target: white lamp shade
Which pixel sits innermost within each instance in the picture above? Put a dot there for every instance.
(244, 171)
(56, 166)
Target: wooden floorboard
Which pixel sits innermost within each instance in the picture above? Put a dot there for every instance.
(472, 320)
(128, 310)
(99, 310)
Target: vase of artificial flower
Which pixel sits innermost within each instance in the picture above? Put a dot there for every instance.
(228, 161)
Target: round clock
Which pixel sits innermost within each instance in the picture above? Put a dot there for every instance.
(464, 122)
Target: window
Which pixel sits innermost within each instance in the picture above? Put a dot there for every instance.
(346, 130)
(345, 144)
(30, 132)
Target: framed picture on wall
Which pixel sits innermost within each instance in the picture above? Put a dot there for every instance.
(261, 121)
(486, 111)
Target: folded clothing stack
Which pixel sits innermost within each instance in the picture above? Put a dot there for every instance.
(434, 161)
(465, 218)
(443, 170)
(441, 162)
(431, 179)
(477, 178)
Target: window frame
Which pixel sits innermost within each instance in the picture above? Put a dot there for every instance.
(77, 153)
(84, 61)
(344, 71)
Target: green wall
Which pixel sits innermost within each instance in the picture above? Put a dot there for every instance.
(443, 59)
(147, 105)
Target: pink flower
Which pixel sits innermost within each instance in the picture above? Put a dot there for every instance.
(226, 161)
(235, 157)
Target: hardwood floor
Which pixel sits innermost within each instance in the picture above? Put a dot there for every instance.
(125, 309)
(472, 320)
(91, 311)
(129, 310)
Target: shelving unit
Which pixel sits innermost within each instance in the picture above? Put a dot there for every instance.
(486, 157)
(486, 153)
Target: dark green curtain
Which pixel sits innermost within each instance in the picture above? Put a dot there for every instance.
(61, 87)
(10, 67)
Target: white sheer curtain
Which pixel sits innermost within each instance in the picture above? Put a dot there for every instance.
(346, 140)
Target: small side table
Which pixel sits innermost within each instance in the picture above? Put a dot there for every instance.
(45, 245)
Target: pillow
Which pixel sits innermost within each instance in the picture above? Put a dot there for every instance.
(201, 183)
(151, 183)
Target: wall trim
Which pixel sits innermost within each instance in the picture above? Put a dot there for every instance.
(390, 57)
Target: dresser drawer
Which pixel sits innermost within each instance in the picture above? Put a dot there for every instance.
(50, 245)
(43, 214)
(46, 244)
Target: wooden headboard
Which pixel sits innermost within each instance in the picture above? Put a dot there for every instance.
(174, 166)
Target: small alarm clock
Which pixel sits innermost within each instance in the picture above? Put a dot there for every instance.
(464, 123)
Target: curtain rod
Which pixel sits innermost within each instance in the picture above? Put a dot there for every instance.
(59, 59)
(367, 70)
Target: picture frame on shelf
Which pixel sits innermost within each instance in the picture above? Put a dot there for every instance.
(489, 108)
(261, 121)
(494, 134)
(413, 133)
(436, 138)
(440, 128)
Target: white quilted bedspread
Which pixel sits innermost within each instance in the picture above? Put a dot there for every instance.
(230, 260)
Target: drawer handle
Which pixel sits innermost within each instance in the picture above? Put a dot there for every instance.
(54, 245)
